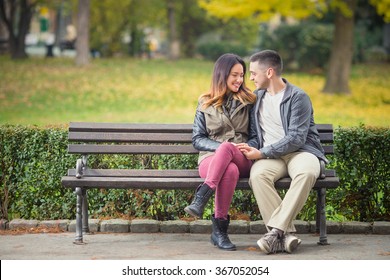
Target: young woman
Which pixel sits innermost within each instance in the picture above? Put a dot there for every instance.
(221, 121)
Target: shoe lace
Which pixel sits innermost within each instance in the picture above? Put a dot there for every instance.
(275, 242)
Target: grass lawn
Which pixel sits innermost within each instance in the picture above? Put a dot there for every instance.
(54, 91)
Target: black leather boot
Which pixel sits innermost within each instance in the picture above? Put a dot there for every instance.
(219, 236)
(202, 196)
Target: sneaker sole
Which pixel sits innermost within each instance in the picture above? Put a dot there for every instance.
(292, 246)
(263, 247)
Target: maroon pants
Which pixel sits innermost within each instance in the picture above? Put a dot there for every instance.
(221, 172)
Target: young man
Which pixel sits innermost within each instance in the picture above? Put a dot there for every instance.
(283, 141)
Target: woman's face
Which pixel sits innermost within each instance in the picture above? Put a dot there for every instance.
(235, 78)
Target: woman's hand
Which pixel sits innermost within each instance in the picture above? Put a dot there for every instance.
(249, 152)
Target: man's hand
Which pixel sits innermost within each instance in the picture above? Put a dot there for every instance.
(249, 152)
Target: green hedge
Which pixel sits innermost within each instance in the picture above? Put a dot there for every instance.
(34, 159)
(362, 161)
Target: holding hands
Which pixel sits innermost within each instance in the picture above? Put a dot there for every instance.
(249, 152)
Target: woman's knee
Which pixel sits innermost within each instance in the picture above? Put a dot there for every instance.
(232, 173)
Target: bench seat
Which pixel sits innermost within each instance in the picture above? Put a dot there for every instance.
(164, 179)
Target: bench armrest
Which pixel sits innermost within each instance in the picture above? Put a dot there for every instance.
(81, 164)
(322, 169)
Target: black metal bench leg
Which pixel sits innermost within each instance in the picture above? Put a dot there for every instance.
(321, 217)
(79, 216)
(85, 211)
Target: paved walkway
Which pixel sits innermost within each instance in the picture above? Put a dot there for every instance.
(46, 256)
(184, 246)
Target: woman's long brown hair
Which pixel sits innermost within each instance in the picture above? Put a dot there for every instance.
(218, 88)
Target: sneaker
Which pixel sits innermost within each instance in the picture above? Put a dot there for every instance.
(291, 242)
(271, 242)
(299, 240)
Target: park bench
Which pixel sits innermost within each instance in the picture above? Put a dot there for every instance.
(162, 139)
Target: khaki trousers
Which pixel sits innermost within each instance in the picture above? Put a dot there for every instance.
(303, 168)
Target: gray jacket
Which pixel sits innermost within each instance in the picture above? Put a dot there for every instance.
(301, 134)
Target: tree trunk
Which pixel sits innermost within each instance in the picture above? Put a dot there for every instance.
(17, 13)
(337, 80)
(82, 41)
(174, 45)
(386, 40)
(3, 39)
(135, 43)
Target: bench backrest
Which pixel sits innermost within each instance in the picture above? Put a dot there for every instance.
(130, 138)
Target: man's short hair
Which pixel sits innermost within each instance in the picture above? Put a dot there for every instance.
(269, 58)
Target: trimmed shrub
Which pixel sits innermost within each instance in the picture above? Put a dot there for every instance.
(362, 162)
(33, 160)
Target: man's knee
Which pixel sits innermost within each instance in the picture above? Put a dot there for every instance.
(258, 179)
(307, 175)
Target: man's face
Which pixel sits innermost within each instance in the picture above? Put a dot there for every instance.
(259, 74)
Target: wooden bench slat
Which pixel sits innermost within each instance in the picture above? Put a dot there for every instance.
(329, 149)
(129, 127)
(137, 173)
(130, 137)
(324, 127)
(327, 183)
(139, 182)
(326, 137)
(143, 149)
(139, 127)
(180, 173)
(148, 137)
(170, 183)
(131, 149)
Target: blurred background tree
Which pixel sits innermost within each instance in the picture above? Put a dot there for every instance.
(323, 37)
(16, 17)
(342, 47)
(82, 42)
